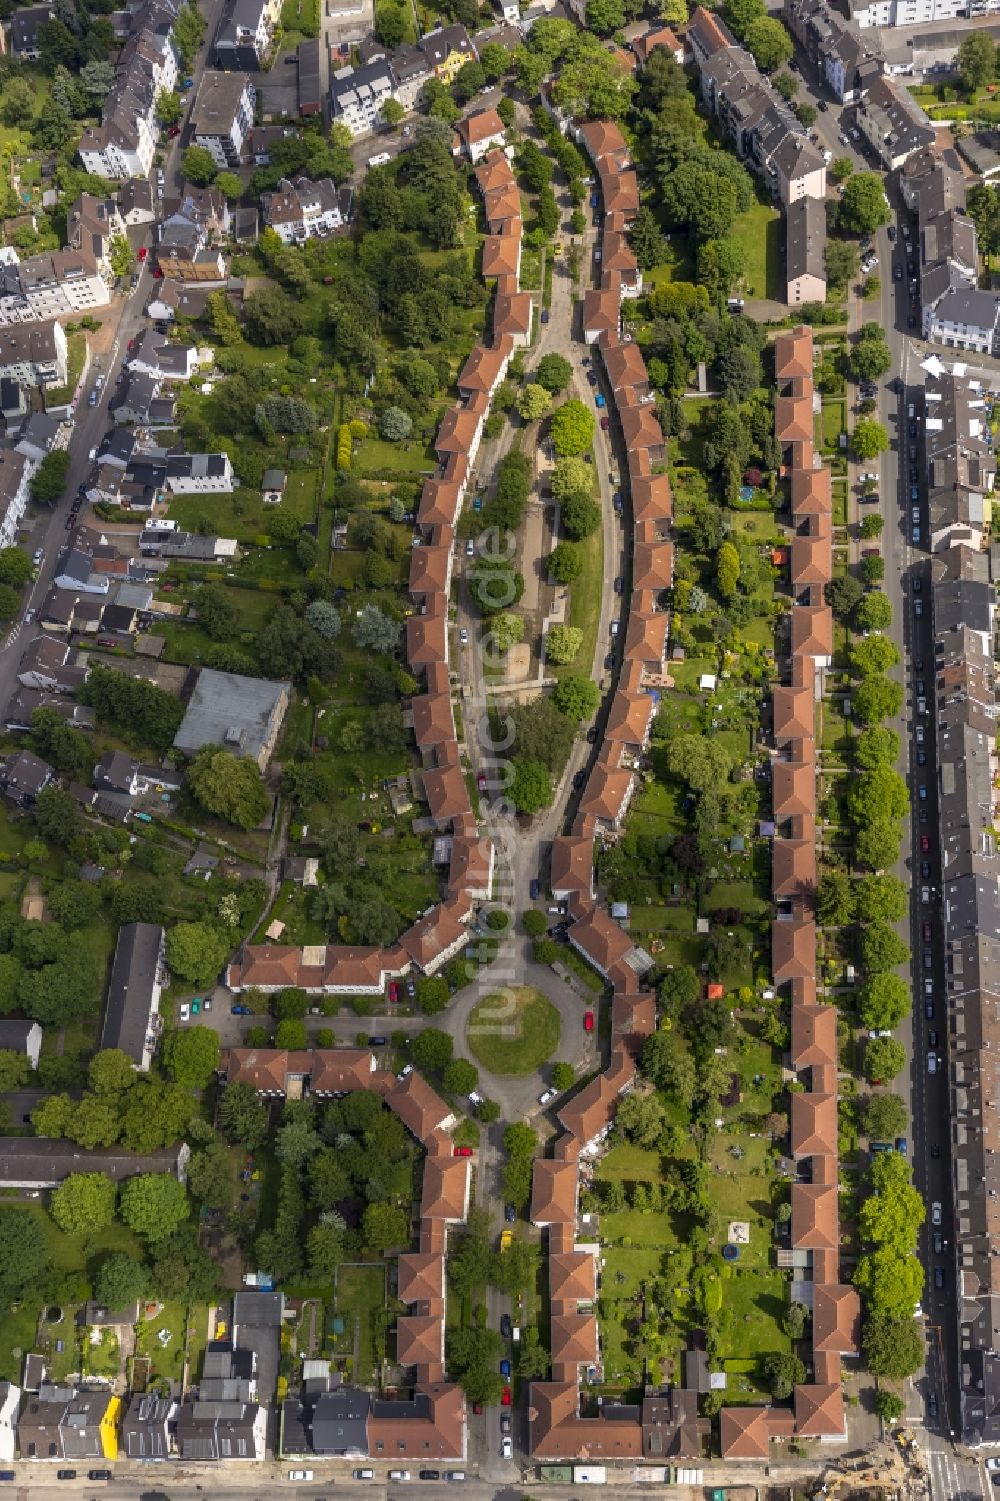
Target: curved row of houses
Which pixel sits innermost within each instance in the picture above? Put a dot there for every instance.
(439, 935)
(666, 1423)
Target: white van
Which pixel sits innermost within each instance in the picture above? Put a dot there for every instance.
(379, 159)
(364, 1474)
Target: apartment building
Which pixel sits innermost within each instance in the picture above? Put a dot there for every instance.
(298, 209)
(50, 285)
(244, 34)
(869, 14)
(222, 115)
(805, 251)
(34, 354)
(24, 28)
(892, 122)
(964, 614)
(846, 62)
(357, 96)
(15, 477)
(124, 143)
(91, 224)
(961, 468)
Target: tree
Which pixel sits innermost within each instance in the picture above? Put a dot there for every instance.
(49, 479)
(893, 1347)
(210, 1176)
(841, 258)
(572, 429)
(24, 1257)
(727, 570)
(531, 787)
(473, 1355)
(883, 1002)
(562, 642)
(19, 102)
(554, 372)
(768, 43)
(882, 948)
(872, 526)
(153, 1205)
(885, 1058)
(879, 793)
(565, 563)
(843, 595)
(196, 952)
(120, 1281)
(699, 762)
(431, 1050)
(563, 1074)
(191, 1056)
(877, 698)
(198, 166)
(290, 1034)
(506, 631)
(84, 1203)
(571, 477)
(460, 1076)
(271, 317)
(870, 357)
(169, 107)
(873, 612)
(533, 403)
(374, 630)
(667, 1061)
(605, 16)
(874, 655)
(385, 1227)
(889, 1406)
(228, 786)
(976, 60)
(869, 438)
(580, 517)
(641, 1119)
(432, 994)
(110, 1072)
(885, 1115)
(324, 618)
(395, 425)
(781, 1371)
(863, 204)
(881, 898)
(242, 1115)
(15, 566)
(835, 899)
(877, 844)
(576, 697)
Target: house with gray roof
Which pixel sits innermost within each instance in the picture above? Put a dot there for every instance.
(131, 1012)
(240, 714)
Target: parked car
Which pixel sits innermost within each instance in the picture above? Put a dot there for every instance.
(546, 1096)
(462, 1152)
(506, 1448)
(65, 1474)
(300, 1474)
(399, 1474)
(939, 1278)
(506, 1327)
(240, 1010)
(430, 1474)
(510, 1215)
(588, 1021)
(505, 1368)
(99, 1475)
(185, 1012)
(506, 1397)
(932, 1063)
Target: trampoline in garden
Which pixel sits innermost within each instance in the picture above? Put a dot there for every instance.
(746, 494)
(730, 1253)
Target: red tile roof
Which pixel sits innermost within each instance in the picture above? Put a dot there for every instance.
(814, 1124)
(421, 1277)
(553, 1192)
(445, 1191)
(815, 1217)
(571, 865)
(793, 948)
(501, 253)
(744, 1433)
(819, 1411)
(427, 633)
(601, 311)
(793, 355)
(814, 1035)
(836, 1319)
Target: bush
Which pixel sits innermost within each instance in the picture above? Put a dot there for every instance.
(533, 922)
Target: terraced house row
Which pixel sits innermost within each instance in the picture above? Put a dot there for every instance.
(964, 614)
(443, 932)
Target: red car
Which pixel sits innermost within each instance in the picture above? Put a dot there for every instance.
(157, 273)
(481, 781)
(925, 844)
(173, 132)
(462, 1152)
(107, 641)
(393, 992)
(506, 1399)
(477, 1408)
(588, 1021)
(143, 252)
(605, 423)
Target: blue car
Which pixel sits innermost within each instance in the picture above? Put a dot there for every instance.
(599, 400)
(505, 1369)
(240, 1011)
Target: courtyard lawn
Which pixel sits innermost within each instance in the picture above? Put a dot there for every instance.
(410, 458)
(359, 1300)
(759, 232)
(630, 1164)
(513, 1033)
(582, 594)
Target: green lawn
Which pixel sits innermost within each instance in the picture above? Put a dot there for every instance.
(582, 594)
(359, 1298)
(410, 458)
(76, 353)
(167, 1360)
(630, 1164)
(513, 1033)
(243, 514)
(759, 232)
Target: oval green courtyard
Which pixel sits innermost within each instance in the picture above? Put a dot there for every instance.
(513, 1031)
